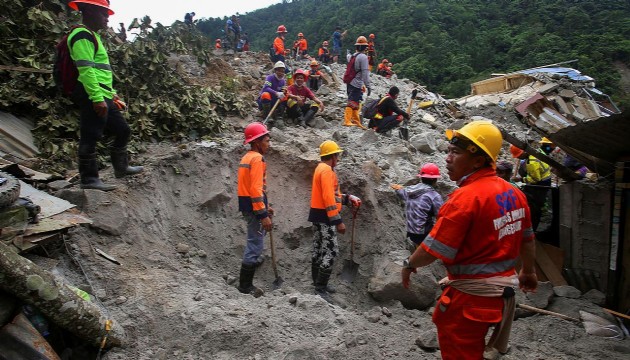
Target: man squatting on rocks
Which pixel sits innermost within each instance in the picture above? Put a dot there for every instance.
(325, 214)
(298, 108)
(388, 114)
(356, 86)
(94, 94)
(480, 232)
(252, 203)
(422, 204)
(273, 90)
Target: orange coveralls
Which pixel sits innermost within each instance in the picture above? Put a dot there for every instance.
(478, 234)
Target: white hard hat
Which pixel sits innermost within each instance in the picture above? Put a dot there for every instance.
(279, 64)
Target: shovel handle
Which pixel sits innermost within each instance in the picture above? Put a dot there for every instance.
(273, 254)
(354, 218)
(271, 112)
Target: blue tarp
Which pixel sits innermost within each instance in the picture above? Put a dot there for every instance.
(562, 71)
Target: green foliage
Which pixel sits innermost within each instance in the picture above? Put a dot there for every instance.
(162, 103)
(446, 45)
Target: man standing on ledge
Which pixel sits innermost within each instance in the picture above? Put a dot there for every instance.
(480, 233)
(97, 99)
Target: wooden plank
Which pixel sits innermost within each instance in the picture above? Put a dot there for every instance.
(548, 267)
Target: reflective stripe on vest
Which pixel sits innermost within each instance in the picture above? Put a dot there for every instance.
(442, 249)
(479, 269)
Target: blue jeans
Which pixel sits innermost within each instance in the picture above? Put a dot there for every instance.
(255, 239)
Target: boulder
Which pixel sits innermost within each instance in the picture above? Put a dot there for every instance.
(542, 296)
(424, 142)
(108, 212)
(567, 291)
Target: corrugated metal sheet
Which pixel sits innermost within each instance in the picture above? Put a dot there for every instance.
(16, 138)
(598, 144)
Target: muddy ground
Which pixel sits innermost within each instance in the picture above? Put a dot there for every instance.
(179, 237)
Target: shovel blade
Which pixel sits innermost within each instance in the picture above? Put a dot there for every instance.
(277, 284)
(349, 271)
(404, 133)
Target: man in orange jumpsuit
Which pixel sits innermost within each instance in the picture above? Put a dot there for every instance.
(325, 214)
(480, 232)
(252, 203)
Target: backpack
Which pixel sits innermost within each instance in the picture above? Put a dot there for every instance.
(65, 72)
(371, 108)
(351, 72)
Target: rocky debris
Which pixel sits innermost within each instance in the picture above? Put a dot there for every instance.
(595, 296)
(542, 296)
(567, 291)
(427, 339)
(108, 212)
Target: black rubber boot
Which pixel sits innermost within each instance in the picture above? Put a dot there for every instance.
(246, 279)
(120, 161)
(321, 284)
(88, 170)
(315, 272)
(309, 116)
(265, 110)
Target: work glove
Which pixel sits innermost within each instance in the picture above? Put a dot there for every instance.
(354, 200)
(280, 94)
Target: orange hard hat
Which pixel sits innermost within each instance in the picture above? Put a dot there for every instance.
(254, 131)
(101, 3)
(282, 29)
(429, 171)
(300, 35)
(516, 152)
(314, 63)
(372, 36)
(361, 40)
(265, 96)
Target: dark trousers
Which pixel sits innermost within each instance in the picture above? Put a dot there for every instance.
(93, 127)
(387, 123)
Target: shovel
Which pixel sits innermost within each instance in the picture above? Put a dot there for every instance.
(277, 283)
(404, 128)
(350, 267)
(271, 112)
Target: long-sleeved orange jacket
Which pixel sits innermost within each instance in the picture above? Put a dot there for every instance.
(252, 184)
(326, 197)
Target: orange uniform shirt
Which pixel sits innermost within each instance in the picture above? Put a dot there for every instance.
(252, 184)
(325, 196)
(480, 228)
(278, 46)
(302, 44)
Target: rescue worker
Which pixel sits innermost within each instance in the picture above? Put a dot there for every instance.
(302, 47)
(188, 18)
(537, 179)
(360, 83)
(371, 52)
(233, 31)
(298, 107)
(252, 203)
(325, 214)
(314, 76)
(217, 44)
(273, 90)
(388, 114)
(422, 204)
(337, 36)
(278, 45)
(505, 170)
(381, 68)
(323, 54)
(100, 106)
(481, 231)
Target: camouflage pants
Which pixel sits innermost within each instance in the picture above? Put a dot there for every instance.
(325, 245)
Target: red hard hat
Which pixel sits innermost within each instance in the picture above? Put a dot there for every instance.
(325, 43)
(385, 61)
(255, 130)
(299, 72)
(372, 36)
(282, 29)
(516, 152)
(300, 34)
(429, 171)
(101, 3)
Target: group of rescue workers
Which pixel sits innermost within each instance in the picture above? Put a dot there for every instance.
(478, 233)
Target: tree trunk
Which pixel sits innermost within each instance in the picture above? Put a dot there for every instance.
(36, 286)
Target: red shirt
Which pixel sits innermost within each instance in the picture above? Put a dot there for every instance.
(480, 228)
(301, 91)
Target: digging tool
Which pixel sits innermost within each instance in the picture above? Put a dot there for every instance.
(350, 267)
(403, 131)
(547, 312)
(277, 283)
(271, 111)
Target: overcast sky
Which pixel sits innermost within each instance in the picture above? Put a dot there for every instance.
(166, 12)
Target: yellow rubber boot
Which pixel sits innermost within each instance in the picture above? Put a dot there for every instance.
(356, 119)
(347, 117)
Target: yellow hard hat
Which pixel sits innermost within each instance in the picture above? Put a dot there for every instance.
(544, 140)
(361, 40)
(329, 147)
(482, 133)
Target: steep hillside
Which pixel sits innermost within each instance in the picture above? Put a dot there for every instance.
(449, 44)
